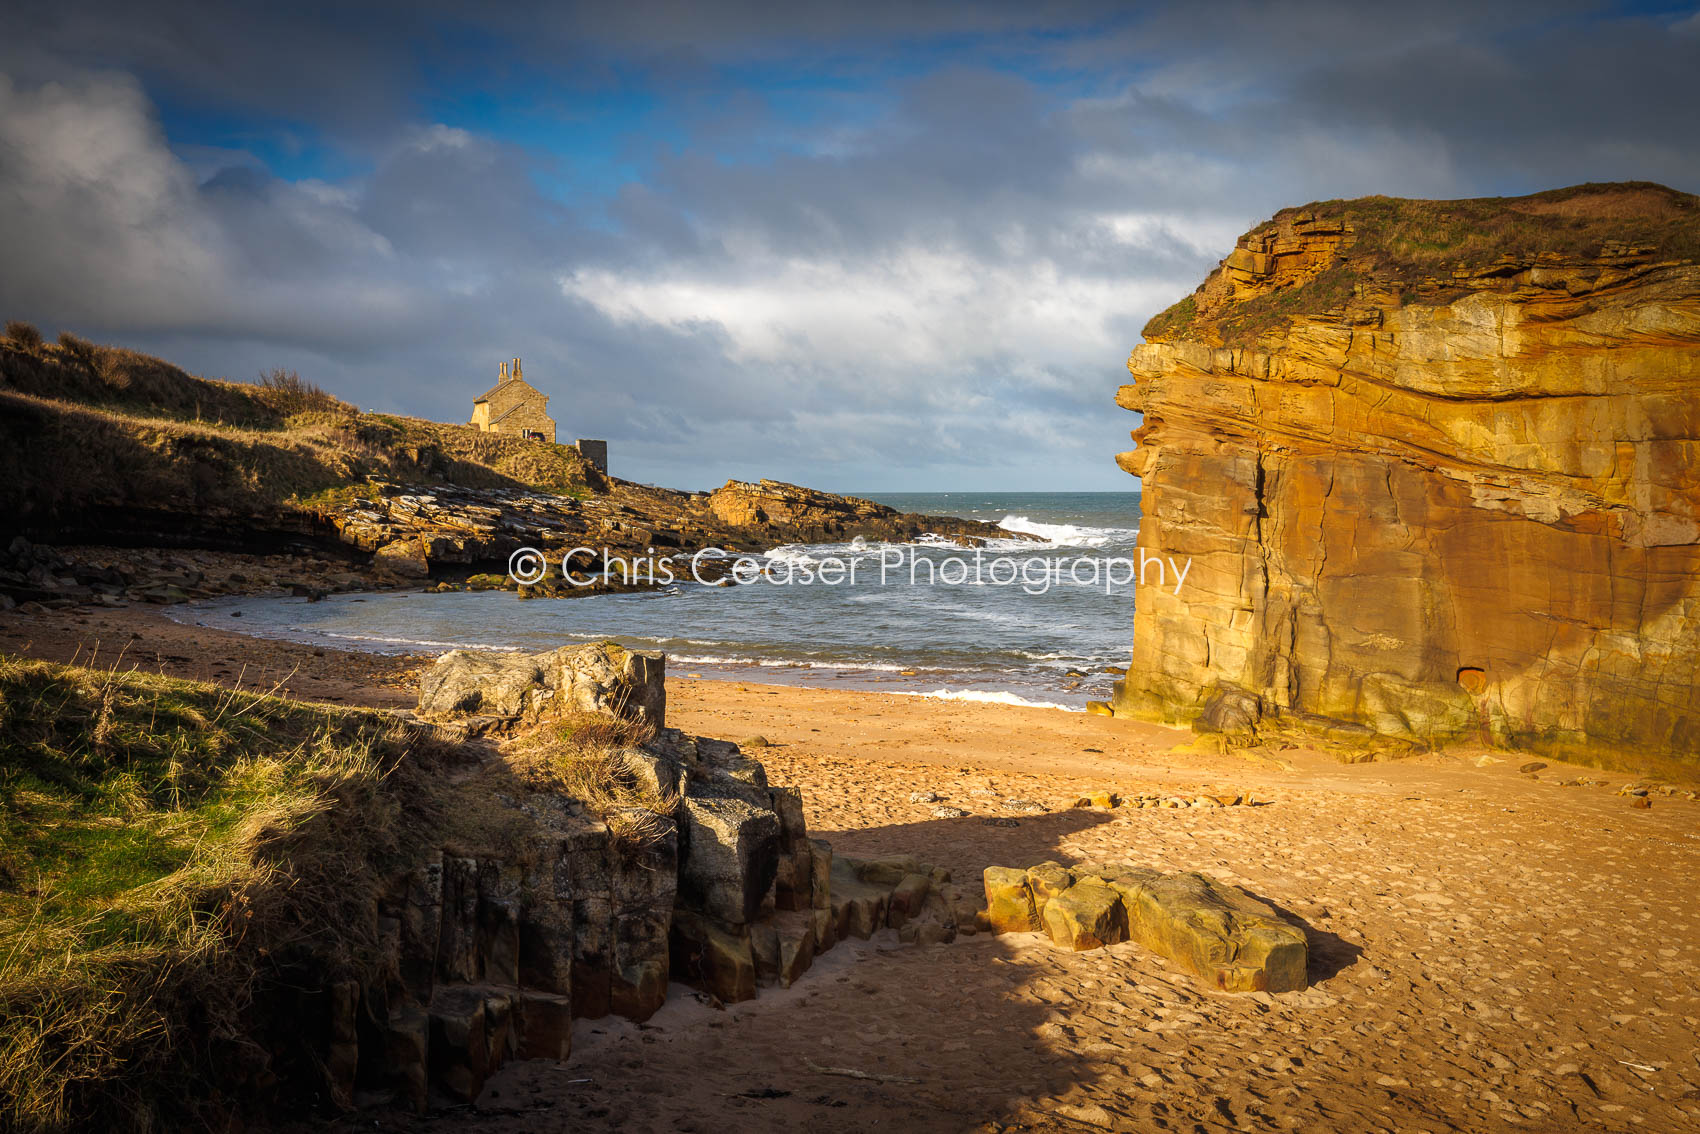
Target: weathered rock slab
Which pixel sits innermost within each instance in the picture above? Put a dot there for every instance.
(1232, 941)
(1087, 915)
(600, 677)
(1221, 934)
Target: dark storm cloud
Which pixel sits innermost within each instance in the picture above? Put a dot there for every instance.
(873, 243)
(1568, 103)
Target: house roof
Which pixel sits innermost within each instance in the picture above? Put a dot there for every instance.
(510, 384)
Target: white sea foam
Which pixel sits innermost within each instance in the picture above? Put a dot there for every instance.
(1067, 535)
(422, 642)
(797, 663)
(990, 697)
(795, 553)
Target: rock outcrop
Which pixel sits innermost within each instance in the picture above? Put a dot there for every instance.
(715, 883)
(101, 445)
(787, 513)
(512, 688)
(1436, 466)
(1230, 940)
(411, 529)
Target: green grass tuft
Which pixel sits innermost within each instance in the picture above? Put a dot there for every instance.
(153, 834)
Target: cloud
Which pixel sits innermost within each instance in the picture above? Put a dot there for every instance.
(886, 246)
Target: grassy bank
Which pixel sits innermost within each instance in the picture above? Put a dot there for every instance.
(88, 426)
(169, 852)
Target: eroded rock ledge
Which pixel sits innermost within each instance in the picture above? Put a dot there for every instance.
(584, 904)
(1432, 504)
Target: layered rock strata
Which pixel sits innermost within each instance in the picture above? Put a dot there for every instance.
(1432, 503)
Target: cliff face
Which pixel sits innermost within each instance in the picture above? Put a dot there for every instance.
(1429, 500)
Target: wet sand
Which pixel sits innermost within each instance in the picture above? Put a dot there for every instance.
(1489, 950)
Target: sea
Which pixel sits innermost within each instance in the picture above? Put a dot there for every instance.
(1046, 622)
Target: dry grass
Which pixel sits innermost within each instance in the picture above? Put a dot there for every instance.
(22, 335)
(289, 394)
(176, 858)
(598, 761)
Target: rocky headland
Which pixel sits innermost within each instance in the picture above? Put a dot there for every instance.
(103, 448)
(1437, 468)
(417, 531)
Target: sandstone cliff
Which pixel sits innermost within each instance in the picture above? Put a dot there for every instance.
(1437, 467)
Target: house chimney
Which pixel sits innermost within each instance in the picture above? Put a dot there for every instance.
(516, 370)
(504, 372)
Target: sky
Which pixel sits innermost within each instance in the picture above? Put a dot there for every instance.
(868, 247)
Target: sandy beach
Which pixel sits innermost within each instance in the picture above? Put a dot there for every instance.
(1490, 949)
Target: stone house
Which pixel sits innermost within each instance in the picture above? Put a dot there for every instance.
(514, 406)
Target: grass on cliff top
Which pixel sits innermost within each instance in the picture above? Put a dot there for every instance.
(165, 844)
(87, 425)
(1402, 244)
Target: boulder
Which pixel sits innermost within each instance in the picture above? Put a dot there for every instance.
(468, 682)
(729, 855)
(459, 1054)
(887, 871)
(1047, 880)
(406, 1069)
(714, 960)
(606, 677)
(1009, 901)
(907, 899)
(796, 949)
(933, 924)
(643, 885)
(825, 925)
(1223, 935)
(405, 557)
(859, 908)
(546, 941)
(764, 950)
(1230, 939)
(600, 677)
(1230, 711)
(1087, 915)
(820, 874)
(545, 1025)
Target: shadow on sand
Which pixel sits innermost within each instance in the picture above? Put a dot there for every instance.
(879, 1035)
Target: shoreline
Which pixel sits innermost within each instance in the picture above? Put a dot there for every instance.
(1074, 684)
(149, 637)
